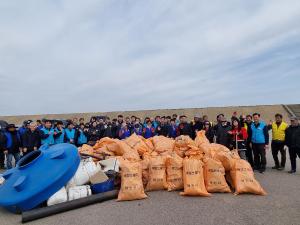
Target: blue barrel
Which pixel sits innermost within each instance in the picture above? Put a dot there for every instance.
(103, 187)
(37, 176)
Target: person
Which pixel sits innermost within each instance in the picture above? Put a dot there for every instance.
(59, 136)
(137, 128)
(162, 128)
(70, 133)
(249, 152)
(114, 127)
(222, 135)
(220, 117)
(93, 134)
(2, 144)
(197, 125)
(260, 142)
(74, 121)
(82, 134)
(81, 121)
(124, 132)
(239, 137)
(119, 125)
(278, 141)
(39, 124)
(47, 133)
(12, 147)
(31, 139)
(184, 127)
(172, 132)
(177, 121)
(209, 132)
(149, 130)
(292, 141)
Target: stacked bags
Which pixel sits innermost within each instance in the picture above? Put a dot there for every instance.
(159, 163)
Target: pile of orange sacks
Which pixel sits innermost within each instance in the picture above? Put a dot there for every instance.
(196, 167)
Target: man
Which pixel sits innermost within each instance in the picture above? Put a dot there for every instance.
(292, 140)
(70, 133)
(93, 134)
(249, 152)
(162, 127)
(260, 142)
(175, 117)
(278, 140)
(197, 125)
(31, 139)
(184, 127)
(59, 133)
(119, 125)
(12, 147)
(47, 133)
(223, 136)
(39, 124)
(220, 118)
(172, 131)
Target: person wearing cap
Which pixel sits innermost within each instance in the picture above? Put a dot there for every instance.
(184, 127)
(260, 142)
(292, 141)
(47, 133)
(197, 125)
(209, 132)
(31, 139)
(70, 133)
(12, 147)
(59, 133)
(278, 141)
(222, 135)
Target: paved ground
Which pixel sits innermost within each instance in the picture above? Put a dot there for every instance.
(281, 206)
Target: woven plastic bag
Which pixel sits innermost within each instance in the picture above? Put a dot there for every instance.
(157, 174)
(174, 172)
(193, 178)
(131, 181)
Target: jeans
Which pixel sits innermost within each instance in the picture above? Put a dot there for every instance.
(278, 147)
(9, 158)
(260, 160)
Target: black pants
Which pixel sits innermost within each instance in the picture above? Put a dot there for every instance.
(293, 155)
(249, 154)
(278, 147)
(1, 158)
(260, 160)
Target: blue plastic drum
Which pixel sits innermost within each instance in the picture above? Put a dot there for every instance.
(37, 176)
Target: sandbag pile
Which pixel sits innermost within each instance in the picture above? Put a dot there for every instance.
(160, 163)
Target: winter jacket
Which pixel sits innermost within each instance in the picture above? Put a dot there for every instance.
(223, 137)
(12, 141)
(31, 140)
(59, 137)
(185, 129)
(47, 136)
(292, 137)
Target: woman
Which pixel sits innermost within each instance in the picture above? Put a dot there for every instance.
(239, 136)
(209, 132)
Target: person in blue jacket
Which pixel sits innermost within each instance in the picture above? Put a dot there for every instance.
(137, 129)
(59, 133)
(149, 130)
(260, 142)
(12, 145)
(82, 134)
(47, 133)
(70, 133)
(124, 132)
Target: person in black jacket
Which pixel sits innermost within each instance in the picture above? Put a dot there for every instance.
(197, 125)
(93, 134)
(209, 132)
(292, 140)
(184, 128)
(31, 139)
(223, 136)
(249, 151)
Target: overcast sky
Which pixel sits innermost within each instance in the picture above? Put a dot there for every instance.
(109, 55)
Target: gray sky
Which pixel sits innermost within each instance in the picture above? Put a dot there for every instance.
(109, 55)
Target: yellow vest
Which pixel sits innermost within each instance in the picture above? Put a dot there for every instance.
(278, 133)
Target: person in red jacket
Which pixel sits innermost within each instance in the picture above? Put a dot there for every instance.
(239, 137)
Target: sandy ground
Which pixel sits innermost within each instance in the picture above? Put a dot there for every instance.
(281, 206)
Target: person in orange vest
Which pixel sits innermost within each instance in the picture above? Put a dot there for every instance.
(278, 141)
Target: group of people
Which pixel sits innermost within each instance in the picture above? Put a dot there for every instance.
(249, 134)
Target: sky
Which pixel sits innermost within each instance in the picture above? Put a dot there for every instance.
(113, 55)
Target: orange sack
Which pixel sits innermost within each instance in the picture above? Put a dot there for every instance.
(131, 181)
(163, 145)
(157, 174)
(201, 138)
(243, 179)
(193, 178)
(214, 176)
(174, 172)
